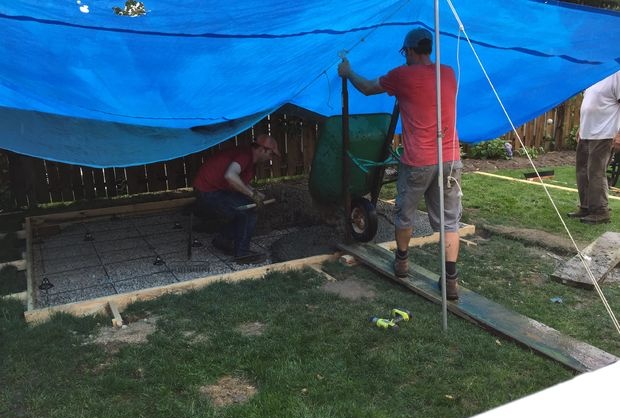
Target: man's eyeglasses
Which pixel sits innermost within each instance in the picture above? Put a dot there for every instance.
(403, 52)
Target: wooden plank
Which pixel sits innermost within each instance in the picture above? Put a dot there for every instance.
(192, 165)
(309, 139)
(100, 305)
(88, 181)
(136, 180)
(83, 215)
(294, 154)
(17, 179)
(100, 186)
(156, 177)
(120, 181)
(464, 231)
(53, 180)
(601, 257)
(279, 131)
(29, 271)
(551, 186)
(117, 319)
(175, 171)
(20, 265)
(110, 182)
(65, 173)
(573, 353)
(21, 296)
(77, 182)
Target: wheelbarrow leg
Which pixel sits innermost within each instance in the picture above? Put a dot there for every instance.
(377, 181)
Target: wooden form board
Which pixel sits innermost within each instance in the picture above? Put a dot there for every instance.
(551, 186)
(85, 215)
(120, 301)
(573, 353)
(600, 256)
(464, 231)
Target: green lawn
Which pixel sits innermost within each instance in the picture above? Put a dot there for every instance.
(317, 355)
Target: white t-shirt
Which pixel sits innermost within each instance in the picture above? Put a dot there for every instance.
(600, 109)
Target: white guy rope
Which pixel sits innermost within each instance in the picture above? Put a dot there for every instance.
(499, 100)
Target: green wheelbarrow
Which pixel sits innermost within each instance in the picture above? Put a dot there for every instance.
(367, 152)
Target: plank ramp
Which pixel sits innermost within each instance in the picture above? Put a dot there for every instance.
(573, 353)
(601, 257)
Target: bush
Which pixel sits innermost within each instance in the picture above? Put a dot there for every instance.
(533, 151)
(489, 150)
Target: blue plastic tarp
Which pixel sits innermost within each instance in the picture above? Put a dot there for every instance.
(80, 84)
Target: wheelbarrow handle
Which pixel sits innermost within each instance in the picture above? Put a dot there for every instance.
(253, 205)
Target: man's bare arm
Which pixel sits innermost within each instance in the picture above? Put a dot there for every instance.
(364, 85)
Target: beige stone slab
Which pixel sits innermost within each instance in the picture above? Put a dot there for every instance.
(601, 257)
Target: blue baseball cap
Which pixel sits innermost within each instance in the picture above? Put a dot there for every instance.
(415, 36)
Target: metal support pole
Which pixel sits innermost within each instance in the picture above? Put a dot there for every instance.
(442, 232)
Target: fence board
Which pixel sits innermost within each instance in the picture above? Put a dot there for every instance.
(175, 170)
(54, 186)
(65, 172)
(294, 154)
(279, 126)
(156, 177)
(29, 178)
(309, 139)
(136, 180)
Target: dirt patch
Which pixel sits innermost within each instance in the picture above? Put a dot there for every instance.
(229, 390)
(252, 329)
(195, 338)
(349, 289)
(548, 159)
(112, 339)
(534, 236)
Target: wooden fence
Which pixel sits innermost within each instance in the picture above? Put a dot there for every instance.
(36, 181)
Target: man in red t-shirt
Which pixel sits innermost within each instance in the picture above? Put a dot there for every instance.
(223, 185)
(414, 86)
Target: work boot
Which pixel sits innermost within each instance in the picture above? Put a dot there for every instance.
(250, 257)
(601, 217)
(452, 286)
(225, 245)
(580, 213)
(401, 266)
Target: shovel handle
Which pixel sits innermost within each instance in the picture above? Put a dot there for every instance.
(253, 205)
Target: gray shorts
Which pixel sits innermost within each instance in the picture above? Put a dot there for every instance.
(416, 182)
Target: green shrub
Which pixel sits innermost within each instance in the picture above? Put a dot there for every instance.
(533, 151)
(489, 150)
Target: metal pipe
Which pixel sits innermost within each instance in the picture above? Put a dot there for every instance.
(442, 233)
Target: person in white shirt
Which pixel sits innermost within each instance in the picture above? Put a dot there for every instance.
(599, 133)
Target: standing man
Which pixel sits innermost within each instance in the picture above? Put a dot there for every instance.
(414, 86)
(223, 185)
(599, 132)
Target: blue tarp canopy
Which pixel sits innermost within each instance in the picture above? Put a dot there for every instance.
(81, 84)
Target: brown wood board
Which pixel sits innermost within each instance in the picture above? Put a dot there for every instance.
(176, 174)
(572, 353)
(601, 256)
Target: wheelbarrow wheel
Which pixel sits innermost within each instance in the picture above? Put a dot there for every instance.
(363, 219)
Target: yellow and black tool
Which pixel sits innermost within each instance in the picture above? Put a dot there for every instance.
(398, 315)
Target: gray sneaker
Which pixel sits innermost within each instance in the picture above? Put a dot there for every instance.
(401, 267)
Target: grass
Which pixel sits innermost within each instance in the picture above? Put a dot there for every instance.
(318, 355)
(494, 201)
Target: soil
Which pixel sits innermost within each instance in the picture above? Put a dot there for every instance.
(112, 339)
(548, 159)
(318, 229)
(229, 390)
